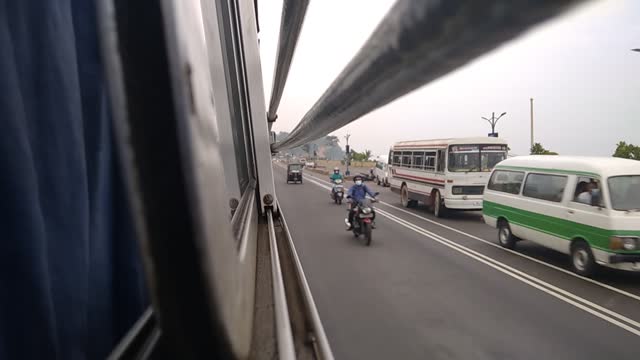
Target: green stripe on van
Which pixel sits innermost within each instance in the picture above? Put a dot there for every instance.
(544, 170)
(562, 228)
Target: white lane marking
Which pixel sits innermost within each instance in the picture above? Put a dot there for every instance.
(551, 266)
(581, 303)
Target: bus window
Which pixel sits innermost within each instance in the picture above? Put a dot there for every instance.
(406, 158)
(440, 160)
(418, 160)
(430, 160)
(474, 158)
(396, 159)
(490, 159)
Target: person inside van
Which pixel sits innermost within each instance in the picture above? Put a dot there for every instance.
(582, 187)
(585, 196)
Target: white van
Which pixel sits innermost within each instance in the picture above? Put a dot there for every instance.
(381, 173)
(588, 207)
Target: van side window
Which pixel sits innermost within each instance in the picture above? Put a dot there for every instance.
(506, 181)
(545, 187)
(585, 189)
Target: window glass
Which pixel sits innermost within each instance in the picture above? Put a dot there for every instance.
(490, 159)
(473, 158)
(586, 188)
(407, 158)
(506, 181)
(430, 163)
(418, 160)
(625, 192)
(396, 159)
(545, 187)
(441, 159)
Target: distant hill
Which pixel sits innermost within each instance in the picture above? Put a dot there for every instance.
(327, 147)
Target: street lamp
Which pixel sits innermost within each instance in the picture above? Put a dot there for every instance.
(493, 121)
(347, 172)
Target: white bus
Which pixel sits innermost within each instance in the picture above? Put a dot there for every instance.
(445, 173)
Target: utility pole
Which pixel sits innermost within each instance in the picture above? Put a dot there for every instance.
(347, 172)
(493, 121)
(531, 100)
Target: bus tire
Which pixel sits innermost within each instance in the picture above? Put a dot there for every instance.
(505, 236)
(582, 260)
(439, 210)
(404, 196)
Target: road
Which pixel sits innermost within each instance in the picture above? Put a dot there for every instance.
(442, 289)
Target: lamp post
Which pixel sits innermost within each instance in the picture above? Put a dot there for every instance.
(531, 108)
(493, 121)
(347, 172)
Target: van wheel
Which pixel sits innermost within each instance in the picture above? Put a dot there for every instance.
(505, 236)
(439, 210)
(404, 196)
(582, 259)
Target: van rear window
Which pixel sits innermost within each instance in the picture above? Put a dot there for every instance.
(506, 181)
(545, 187)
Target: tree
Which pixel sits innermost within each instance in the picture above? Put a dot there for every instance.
(538, 149)
(627, 151)
(332, 140)
(357, 156)
(367, 155)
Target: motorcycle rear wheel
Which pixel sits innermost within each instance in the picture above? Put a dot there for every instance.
(367, 233)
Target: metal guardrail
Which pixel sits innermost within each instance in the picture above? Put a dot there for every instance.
(284, 335)
(293, 12)
(417, 42)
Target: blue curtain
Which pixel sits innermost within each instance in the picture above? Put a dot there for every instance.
(71, 281)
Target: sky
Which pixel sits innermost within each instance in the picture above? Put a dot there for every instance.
(578, 68)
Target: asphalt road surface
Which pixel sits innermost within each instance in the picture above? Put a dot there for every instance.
(432, 288)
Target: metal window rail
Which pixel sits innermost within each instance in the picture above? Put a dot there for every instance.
(293, 12)
(320, 342)
(140, 339)
(417, 42)
(284, 334)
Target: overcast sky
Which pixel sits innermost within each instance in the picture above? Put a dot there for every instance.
(579, 69)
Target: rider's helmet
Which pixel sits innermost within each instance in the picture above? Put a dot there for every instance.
(336, 170)
(358, 179)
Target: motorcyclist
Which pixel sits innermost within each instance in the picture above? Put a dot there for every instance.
(335, 176)
(356, 194)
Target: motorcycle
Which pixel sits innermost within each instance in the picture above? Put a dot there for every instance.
(337, 192)
(363, 219)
